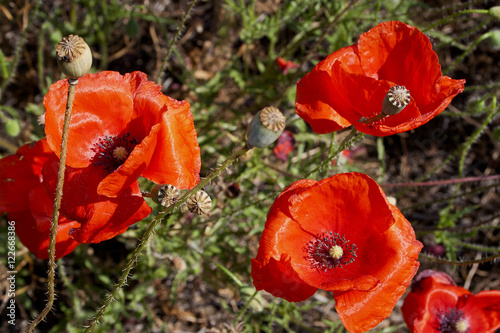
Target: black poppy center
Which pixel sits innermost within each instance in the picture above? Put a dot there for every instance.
(452, 321)
(112, 151)
(330, 250)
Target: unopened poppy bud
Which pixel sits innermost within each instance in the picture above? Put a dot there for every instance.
(265, 127)
(200, 203)
(164, 195)
(397, 98)
(495, 11)
(73, 56)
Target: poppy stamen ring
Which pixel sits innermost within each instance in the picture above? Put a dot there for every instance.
(329, 250)
(112, 151)
(452, 321)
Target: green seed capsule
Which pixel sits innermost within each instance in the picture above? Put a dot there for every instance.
(265, 127)
(73, 56)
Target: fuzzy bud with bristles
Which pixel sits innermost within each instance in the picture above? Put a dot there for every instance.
(73, 56)
(200, 203)
(265, 127)
(164, 195)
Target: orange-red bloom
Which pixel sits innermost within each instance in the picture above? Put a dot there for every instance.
(341, 235)
(352, 83)
(437, 305)
(285, 65)
(23, 197)
(125, 125)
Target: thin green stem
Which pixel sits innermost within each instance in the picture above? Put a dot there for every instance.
(159, 78)
(478, 247)
(248, 302)
(57, 205)
(444, 182)
(458, 263)
(469, 49)
(463, 147)
(149, 233)
(452, 16)
(353, 137)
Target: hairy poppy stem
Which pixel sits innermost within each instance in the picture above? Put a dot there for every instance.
(57, 205)
(458, 263)
(149, 233)
(353, 137)
(161, 73)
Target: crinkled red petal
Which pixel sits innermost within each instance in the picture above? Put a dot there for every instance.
(20, 173)
(355, 207)
(280, 279)
(314, 102)
(33, 226)
(360, 311)
(400, 53)
(177, 155)
(428, 299)
(392, 53)
(101, 217)
(482, 311)
(135, 164)
(103, 105)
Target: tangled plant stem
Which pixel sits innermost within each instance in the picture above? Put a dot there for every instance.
(57, 205)
(148, 234)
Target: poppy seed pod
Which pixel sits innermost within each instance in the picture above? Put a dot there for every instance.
(397, 98)
(495, 11)
(200, 203)
(164, 195)
(265, 127)
(73, 56)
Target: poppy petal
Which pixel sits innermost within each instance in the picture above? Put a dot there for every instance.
(482, 311)
(379, 250)
(400, 53)
(176, 150)
(314, 100)
(103, 105)
(362, 310)
(392, 53)
(101, 217)
(21, 172)
(33, 226)
(430, 297)
(349, 58)
(131, 169)
(280, 279)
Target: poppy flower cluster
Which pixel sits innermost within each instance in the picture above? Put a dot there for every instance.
(437, 305)
(122, 127)
(351, 84)
(342, 235)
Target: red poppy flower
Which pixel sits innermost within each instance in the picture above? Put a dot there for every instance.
(341, 235)
(437, 305)
(125, 125)
(24, 199)
(101, 217)
(285, 145)
(352, 83)
(285, 65)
